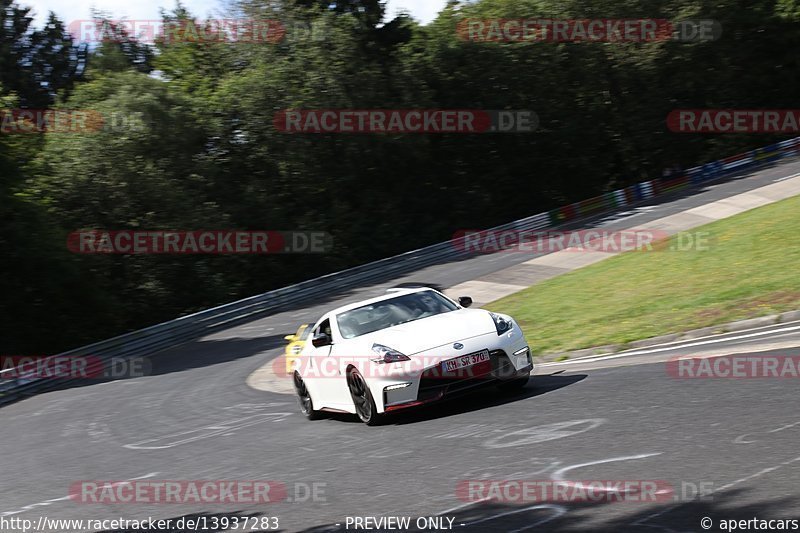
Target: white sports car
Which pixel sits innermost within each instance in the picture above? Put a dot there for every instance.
(404, 349)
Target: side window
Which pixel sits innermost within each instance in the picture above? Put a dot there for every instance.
(324, 327)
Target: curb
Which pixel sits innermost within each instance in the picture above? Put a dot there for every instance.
(730, 327)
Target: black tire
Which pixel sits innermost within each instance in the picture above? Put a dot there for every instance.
(304, 397)
(514, 385)
(362, 399)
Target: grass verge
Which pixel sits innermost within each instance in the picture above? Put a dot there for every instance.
(750, 268)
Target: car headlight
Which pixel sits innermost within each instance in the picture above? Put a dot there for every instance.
(388, 355)
(501, 324)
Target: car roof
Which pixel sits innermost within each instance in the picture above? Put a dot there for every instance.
(391, 293)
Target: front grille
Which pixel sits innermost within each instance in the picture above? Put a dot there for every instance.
(502, 367)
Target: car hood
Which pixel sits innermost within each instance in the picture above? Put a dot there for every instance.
(429, 333)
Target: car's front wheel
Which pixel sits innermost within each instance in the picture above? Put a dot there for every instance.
(362, 399)
(306, 404)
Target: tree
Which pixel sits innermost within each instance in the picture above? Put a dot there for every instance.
(118, 51)
(37, 64)
(368, 12)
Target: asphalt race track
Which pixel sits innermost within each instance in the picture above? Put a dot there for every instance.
(195, 418)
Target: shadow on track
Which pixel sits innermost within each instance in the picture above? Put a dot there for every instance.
(194, 354)
(529, 516)
(627, 517)
(475, 400)
(198, 354)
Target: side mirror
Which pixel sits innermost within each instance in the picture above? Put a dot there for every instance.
(465, 301)
(290, 338)
(321, 339)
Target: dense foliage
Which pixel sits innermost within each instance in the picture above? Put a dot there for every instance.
(205, 154)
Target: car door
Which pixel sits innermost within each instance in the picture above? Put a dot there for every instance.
(313, 366)
(325, 368)
(340, 357)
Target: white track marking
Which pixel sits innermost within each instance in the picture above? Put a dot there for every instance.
(461, 506)
(558, 475)
(544, 433)
(718, 489)
(742, 439)
(559, 511)
(757, 474)
(786, 178)
(183, 437)
(675, 346)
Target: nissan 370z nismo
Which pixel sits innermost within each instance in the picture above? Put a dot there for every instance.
(404, 349)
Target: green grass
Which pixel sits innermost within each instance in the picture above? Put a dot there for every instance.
(751, 268)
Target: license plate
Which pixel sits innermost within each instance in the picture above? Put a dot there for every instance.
(465, 361)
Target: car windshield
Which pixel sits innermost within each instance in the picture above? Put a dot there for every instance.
(392, 312)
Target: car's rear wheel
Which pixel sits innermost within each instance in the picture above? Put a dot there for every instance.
(514, 385)
(362, 399)
(306, 404)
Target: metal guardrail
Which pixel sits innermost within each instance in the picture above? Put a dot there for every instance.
(168, 334)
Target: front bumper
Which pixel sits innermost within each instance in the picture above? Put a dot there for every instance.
(433, 384)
